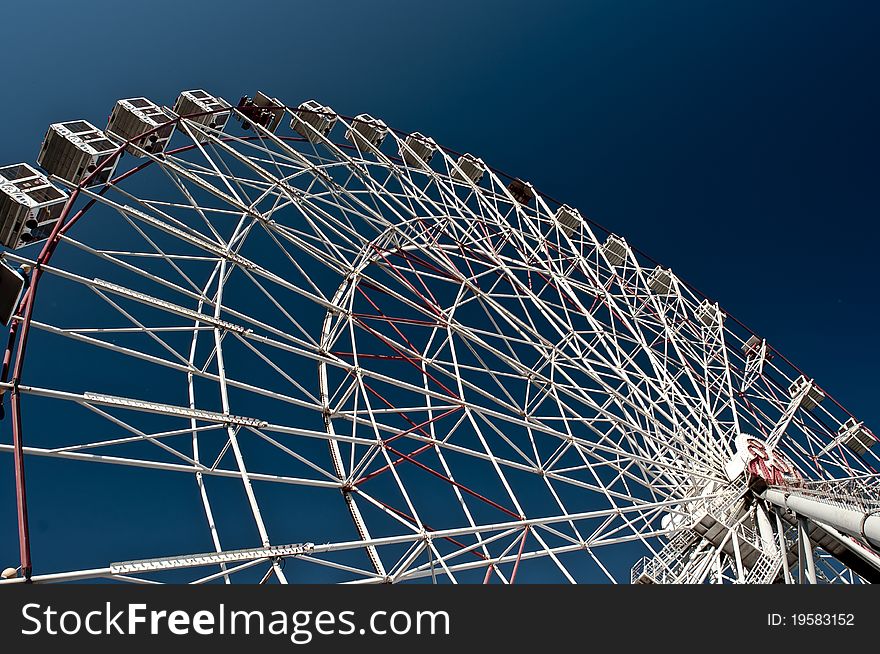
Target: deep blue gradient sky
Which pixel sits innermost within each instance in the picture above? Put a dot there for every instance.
(735, 142)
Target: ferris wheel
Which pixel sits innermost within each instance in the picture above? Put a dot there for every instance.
(351, 355)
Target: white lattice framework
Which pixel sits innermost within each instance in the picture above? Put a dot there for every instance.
(447, 384)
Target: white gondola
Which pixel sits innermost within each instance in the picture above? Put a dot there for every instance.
(418, 150)
(854, 435)
(522, 192)
(752, 346)
(367, 132)
(73, 150)
(568, 219)
(29, 205)
(469, 167)
(708, 313)
(262, 110)
(313, 121)
(199, 101)
(811, 398)
(660, 281)
(144, 123)
(615, 250)
(12, 283)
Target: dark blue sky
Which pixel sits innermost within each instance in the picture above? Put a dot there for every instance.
(735, 142)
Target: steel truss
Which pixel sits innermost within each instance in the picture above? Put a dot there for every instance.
(444, 383)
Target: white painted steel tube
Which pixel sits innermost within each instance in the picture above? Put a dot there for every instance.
(859, 524)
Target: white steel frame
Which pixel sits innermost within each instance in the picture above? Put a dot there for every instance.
(425, 329)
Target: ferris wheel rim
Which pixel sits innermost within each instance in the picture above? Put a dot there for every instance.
(48, 250)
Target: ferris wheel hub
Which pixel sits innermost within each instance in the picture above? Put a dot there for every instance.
(755, 457)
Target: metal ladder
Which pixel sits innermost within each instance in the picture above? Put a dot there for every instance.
(669, 563)
(765, 570)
